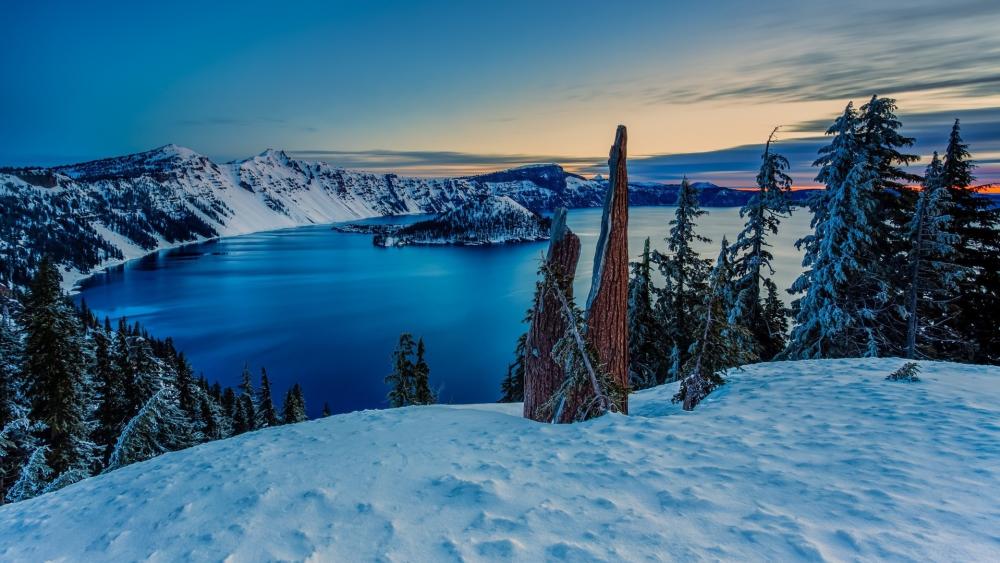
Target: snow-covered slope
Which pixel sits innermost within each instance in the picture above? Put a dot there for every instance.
(481, 220)
(790, 461)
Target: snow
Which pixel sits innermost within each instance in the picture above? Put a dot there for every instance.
(805, 460)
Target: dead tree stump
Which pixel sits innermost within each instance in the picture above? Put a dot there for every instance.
(542, 376)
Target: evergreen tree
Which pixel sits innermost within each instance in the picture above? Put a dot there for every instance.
(763, 213)
(976, 221)
(844, 286)
(422, 394)
(401, 380)
(34, 478)
(722, 342)
(294, 409)
(775, 316)
(229, 406)
(113, 407)
(241, 422)
(155, 429)
(512, 386)
(248, 399)
(326, 410)
(55, 366)
(933, 274)
(18, 441)
(644, 334)
(186, 388)
(680, 301)
(268, 415)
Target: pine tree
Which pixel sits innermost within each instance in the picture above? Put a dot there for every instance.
(422, 394)
(155, 429)
(241, 422)
(186, 387)
(976, 221)
(679, 303)
(294, 408)
(55, 366)
(844, 287)
(401, 392)
(268, 415)
(775, 316)
(763, 213)
(228, 403)
(34, 478)
(113, 407)
(512, 386)
(933, 274)
(18, 441)
(248, 399)
(326, 410)
(722, 342)
(644, 334)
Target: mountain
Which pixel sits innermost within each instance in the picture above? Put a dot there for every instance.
(90, 215)
(790, 461)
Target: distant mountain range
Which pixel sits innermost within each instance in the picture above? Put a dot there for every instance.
(90, 215)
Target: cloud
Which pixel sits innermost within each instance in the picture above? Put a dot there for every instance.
(432, 163)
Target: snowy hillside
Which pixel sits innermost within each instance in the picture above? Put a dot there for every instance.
(790, 461)
(90, 215)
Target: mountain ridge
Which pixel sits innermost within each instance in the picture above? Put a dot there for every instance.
(98, 213)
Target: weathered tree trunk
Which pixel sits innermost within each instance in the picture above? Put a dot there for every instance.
(607, 306)
(542, 376)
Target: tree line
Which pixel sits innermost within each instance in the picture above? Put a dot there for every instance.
(78, 397)
(897, 264)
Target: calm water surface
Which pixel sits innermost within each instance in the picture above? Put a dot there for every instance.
(326, 309)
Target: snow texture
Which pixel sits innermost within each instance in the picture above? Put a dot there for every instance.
(808, 460)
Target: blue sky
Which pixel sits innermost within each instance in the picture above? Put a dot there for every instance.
(441, 88)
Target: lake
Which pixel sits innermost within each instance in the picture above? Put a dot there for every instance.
(326, 309)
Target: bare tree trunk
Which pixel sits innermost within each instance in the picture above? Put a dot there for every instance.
(607, 306)
(542, 376)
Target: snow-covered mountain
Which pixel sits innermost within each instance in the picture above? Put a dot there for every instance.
(86, 216)
(790, 461)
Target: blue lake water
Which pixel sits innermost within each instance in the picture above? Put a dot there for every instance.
(326, 308)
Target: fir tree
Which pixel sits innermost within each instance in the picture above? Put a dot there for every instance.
(933, 274)
(34, 478)
(229, 405)
(241, 422)
(763, 213)
(844, 287)
(326, 410)
(976, 221)
(268, 415)
(55, 366)
(294, 408)
(775, 316)
(723, 343)
(401, 391)
(512, 386)
(155, 429)
(680, 301)
(422, 394)
(644, 334)
(248, 399)
(186, 387)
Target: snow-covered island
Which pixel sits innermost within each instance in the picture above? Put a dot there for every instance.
(808, 460)
(482, 220)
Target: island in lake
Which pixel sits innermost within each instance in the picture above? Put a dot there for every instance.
(488, 219)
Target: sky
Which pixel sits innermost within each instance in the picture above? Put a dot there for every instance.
(445, 88)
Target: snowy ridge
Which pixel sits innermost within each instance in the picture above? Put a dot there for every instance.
(482, 220)
(790, 461)
(106, 209)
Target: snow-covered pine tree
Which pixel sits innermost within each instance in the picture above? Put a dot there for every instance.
(112, 407)
(679, 303)
(763, 213)
(722, 342)
(844, 286)
(267, 415)
(294, 408)
(422, 394)
(186, 387)
(645, 353)
(152, 431)
(934, 276)
(248, 398)
(56, 366)
(34, 478)
(775, 316)
(18, 435)
(228, 404)
(976, 221)
(512, 386)
(401, 388)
